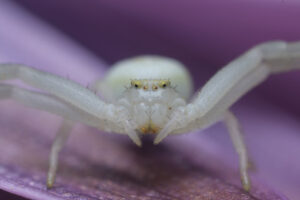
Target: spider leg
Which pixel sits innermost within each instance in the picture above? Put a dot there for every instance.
(80, 98)
(231, 83)
(227, 86)
(45, 102)
(240, 147)
(51, 104)
(59, 141)
(66, 90)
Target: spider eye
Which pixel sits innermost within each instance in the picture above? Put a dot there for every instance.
(164, 83)
(136, 84)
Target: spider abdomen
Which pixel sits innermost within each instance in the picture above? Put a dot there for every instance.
(146, 67)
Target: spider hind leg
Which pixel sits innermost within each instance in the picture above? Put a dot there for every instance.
(237, 138)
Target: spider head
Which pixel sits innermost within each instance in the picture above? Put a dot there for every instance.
(150, 91)
(150, 103)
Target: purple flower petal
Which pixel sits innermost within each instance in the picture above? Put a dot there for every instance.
(107, 166)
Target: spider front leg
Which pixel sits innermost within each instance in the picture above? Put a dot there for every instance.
(59, 141)
(227, 86)
(237, 139)
(231, 83)
(84, 105)
(45, 102)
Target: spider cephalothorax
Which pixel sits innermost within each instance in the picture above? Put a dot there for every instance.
(151, 103)
(149, 89)
(149, 94)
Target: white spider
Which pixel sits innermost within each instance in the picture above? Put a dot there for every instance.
(148, 94)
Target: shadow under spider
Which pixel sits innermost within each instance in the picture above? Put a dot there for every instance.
(157, 164)
(160, 165)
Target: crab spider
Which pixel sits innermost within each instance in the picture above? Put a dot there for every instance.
(149, 94)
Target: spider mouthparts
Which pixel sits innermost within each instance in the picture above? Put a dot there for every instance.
(149, 128)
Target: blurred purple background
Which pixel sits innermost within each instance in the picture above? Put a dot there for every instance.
(204, 35)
